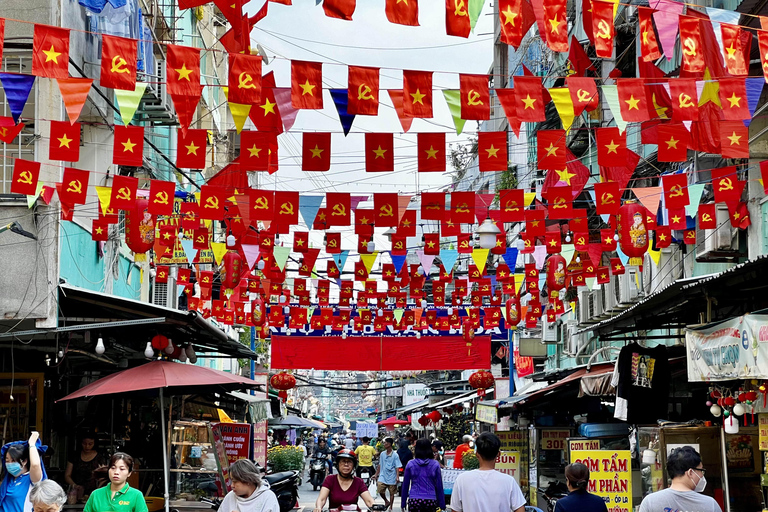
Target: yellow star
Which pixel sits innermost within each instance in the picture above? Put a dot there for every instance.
(64, 141)
(321, 216)
(565, 176)
(534, 223)
(167, 236)
(731, 52)
(306, 88)
(364, 220)
(509, 16)
(676, 219)
(128, 146)
(734, 101)
(379, 152)
(417, 97)
(555, 24)
(430, 244)
(51, 55)
(529, 102)
(552, 149)
(299, 242)
(192, 149)
(184, 72)
(734, 139)
(662, 237)
(99, 230)
(498, 243)
(672, 143)
(254, 151)
(432, 152)
(316, 152)
(612, 147)
(403, 1)
(364, 243)
(269, 108)
(492, 151)
(553, 243)
(632, 102)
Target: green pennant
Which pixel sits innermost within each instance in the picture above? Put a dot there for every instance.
(281, 254)
(475, 8)
(611, 95)
(694, 195)
(398, 314)
(128, 101)
(453, 99)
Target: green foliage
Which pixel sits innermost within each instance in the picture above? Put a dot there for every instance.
(285, 458)
(456, 427)
(469, 459)
(262, 347)
(461, 157)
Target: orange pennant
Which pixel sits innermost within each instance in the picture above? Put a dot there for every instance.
(74, 92)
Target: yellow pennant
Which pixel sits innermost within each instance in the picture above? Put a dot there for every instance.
(561, 97)
(219, 250)
(480, 257)
(368, 260)
(104, 194)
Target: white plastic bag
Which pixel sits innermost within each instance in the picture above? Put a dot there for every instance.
(372, 488)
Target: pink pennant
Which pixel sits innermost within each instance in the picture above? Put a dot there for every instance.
(287, 112)
(425, 260)
(402, 204)
(356, 200)
(650, 197)
(667, 20)
(251, 254)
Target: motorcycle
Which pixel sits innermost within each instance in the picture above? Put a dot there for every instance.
(554, 491)
(318, 469)
(366, 475)
(285, 485)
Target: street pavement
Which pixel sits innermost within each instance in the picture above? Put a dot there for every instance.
(307, 498)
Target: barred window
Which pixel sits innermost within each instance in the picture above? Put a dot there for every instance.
(23, 146)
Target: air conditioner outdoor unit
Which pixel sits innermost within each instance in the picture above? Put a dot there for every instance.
(628, 291)
(721, 243)
(548, 330)
(608, 291)
(573, 341)
(583, 307)
(595, 305)
(164, 294)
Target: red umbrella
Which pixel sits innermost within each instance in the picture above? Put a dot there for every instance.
(392, 421)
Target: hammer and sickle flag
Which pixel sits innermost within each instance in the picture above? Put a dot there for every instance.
(385, 209)
(74, 186)
(212, 201)
(691, 44)
(726, 184)
(342, 9)
(191, 148)
(123, 195)
(64, 141)
(261, 204)
(128, 146)
(432, 205)
(475, 97)
(603, 29)
(457, 22)
(316, 152)
(379, 149)
(707, 216)
(286, 211)
(25, 176)
(463, 207)
(244, 79)
(338, 208)
(675, 190)
(512, 205)
(161, 197)
(118, 62)
(685, 105)
(607, 197)
(50, 52)
(583, 94)
(363, 91)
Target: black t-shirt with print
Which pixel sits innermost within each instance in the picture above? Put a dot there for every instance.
(644, 382)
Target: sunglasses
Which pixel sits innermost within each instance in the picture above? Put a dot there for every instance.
(703, 471)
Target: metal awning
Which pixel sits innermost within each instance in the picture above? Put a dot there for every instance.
(407, 409)
(573, 378)
(457, 399)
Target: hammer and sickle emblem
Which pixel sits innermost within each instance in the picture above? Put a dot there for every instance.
(162, 275)
(433, 207)
(462, 208)
(118, 65)
(124, 194)
(473, 98)
(161, 198)
(339, 210)
(607, 198)
(25, 177)
(201, 240)
(386, 211)
(725, 184)
(690, 47)
(511, 207)
(581, 240)
(691, 234)
(765, 66)
(603, 30)
(332, 243)
(3, 131)
(560, 203)
(583, 96)
(361, 272)
(464, 243)
(206, 279)
(261, 204)
(706, 217)
(244, 81)
(459, 10)
(398, 245)
(684, 101)
(527, 243)
(212, 202)
(268, 242)
(676, 191)
(364, 93)
(304, 269)
(75, 187)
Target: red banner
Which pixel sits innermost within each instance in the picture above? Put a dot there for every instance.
(379, 353)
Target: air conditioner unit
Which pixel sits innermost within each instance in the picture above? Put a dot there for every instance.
(628, 290)
(164, 294)
(721, 243)
(608, 290)
(583, 307)
(595, 305)
(548, 330)
(573, 342)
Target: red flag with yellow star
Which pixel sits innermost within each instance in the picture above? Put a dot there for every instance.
(182, 70)
(492, 151)
(691, 44)
(762, 40)
(603, 30)
(244, 85)
(431, 155)
(556, 23)
(673, 142)
(50, 52)
(128, 146)
(161, 195)
(550, 146)
(475, 97)
(407, 225)
(574, 174)
(306, 85)
(417, 94)
(515, 18)
(403, 12)
(254, 150)
(457, 21)
(118, 62)
(266, 117)
(529, 102)
(190, 153)
(734, 139)
(212, 200)
(363, 91)
(649, 47)
(607, 240)
(633, 100)
(379, 149)
(64, 143)
(611, 147)
(316, 151)
(736, 53)
(733, 98)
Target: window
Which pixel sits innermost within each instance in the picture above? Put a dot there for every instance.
(23, 146)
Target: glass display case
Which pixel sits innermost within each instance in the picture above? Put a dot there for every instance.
(193, 460)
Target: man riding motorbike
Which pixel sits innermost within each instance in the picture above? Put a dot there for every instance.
(323, 451)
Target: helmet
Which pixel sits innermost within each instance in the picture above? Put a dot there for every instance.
(346, 454)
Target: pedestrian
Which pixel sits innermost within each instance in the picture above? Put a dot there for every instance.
(404, 451)
(485, 489)
(22, 469)
(47, 496)
(578, 499)
(463, 448)
(249, 492)
(117, 495)
(386, 475)
(349, 443)
(365, 454)
(422, 489)
(437, 452)
(300, 445)
(685, 469)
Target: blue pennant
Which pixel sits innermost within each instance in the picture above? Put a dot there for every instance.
(17, 88)
(754, 90)
(340, 259)
(308, 208)
(448, 257)
(340, 100)
(397, 261)
(510, 258)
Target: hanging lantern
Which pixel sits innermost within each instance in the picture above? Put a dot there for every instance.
(282, 381)
(140, 227)
(468, 330)
(513, 311)
(258, 312)
(159, 342)
(423, 421)
(557, 273)
(283, 395)
(232, 267)
(481, 379)
(435, 416)
(633, 235)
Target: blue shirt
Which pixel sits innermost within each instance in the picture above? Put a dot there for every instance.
(581, 501)
(389, 465)
(16, 495)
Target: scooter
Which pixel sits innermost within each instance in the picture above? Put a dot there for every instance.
(554, 491)
(285, 485)
(318, 470)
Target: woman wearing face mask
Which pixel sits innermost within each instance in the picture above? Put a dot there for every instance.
(343, 488)
(21, 470)
(249, 492)
(578, 499)
(117, 496)
(685, 469)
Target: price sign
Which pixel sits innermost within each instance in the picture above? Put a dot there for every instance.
(554, 439)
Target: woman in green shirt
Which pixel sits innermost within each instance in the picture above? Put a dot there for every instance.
(117, 496)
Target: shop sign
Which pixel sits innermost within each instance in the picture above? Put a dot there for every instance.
(509, 463)
(610, 476)
(222, 462)
(237, 440)
(733, 349)
(517, 441)
(486, 413)
(260, 443)
(575, 445)
(762, 424)
(413, 393)
(554, 439)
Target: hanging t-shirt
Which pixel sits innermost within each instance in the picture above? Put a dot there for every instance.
(642, 383)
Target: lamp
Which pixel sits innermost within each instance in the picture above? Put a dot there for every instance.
(100, 348)
(487, 232)
(149, 352)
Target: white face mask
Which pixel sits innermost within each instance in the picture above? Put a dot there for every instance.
(702, 483)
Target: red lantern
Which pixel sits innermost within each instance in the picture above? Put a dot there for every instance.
(282, 381)
(159, 342)
(423, 421)
(633, 234)
(468, 330)
(140, 227)
(258, 312)
(283, 395)
(513, 311)
(435, 416)
(232, 267)
(481, 379)
(557, 274)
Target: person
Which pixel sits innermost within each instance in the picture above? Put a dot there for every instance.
(404, 451)
(300, 445)
(117, 495)
(322, 451)
(47, 496)
(422, 489)
(343, 488)
(578, 499)
(83, 465)
(485, 489)
(463, 448)
(365, 454)
(386, 474)
(437, 452)
(349, 442)
(685, 469)
(249, 492)
(22, 469)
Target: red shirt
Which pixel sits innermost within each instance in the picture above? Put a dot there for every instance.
(460, 450)
(339, 496)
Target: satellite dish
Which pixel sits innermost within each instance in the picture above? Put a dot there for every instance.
(262, 53)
